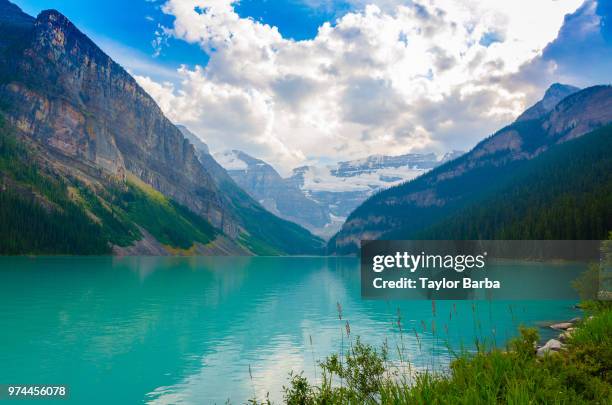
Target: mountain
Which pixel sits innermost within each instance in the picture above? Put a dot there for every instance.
(199, 145)
(552, 97)
(320, 197)
(409, 209)
(573, 199)
(263, 225)
(76, 119)
(340, 188)
(264, 184)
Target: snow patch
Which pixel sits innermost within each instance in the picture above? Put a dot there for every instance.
(322, 179)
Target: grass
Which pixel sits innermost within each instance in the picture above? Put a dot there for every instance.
(120, 209)
(169, 222)
(581, 373)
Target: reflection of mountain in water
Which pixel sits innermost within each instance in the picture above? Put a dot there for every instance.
(189, 328)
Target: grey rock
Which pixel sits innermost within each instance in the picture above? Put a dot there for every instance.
(265, 185)
(322, 208)
(94, 123)
(71, 97)
(200, 146)
(562, 325)
(552, 345)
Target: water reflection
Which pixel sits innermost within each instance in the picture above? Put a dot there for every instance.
(186, 330)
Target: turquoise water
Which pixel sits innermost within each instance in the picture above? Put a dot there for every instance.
(186, 330)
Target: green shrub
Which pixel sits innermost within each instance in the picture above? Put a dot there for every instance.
(579, 374)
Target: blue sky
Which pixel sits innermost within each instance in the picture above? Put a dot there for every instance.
(305, 81)
(125, 28)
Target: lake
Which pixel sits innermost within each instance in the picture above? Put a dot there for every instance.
(187, 330)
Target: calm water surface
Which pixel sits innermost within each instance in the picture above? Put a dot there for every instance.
(186, 330)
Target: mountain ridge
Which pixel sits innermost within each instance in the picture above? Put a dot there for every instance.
(95, 126)
(320, 197)
(404, 210)
(574, 198)
(267, 186)
(553, 95)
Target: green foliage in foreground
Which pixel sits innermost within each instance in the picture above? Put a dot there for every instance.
(580, 374)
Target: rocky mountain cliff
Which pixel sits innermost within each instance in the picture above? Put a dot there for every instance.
(564, 193)
(199, 145)
(243, 203)
(266, 185)
(405, 210)
(70, 96)
(94, 123)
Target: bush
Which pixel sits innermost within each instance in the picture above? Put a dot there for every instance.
(580, 374)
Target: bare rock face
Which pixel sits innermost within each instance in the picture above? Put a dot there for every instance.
(200, 146)
(278, 196)
(87, 119)
(580, 113)
(67, 94)
(320, 197)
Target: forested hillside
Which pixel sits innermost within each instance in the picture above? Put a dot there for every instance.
(43, 212)
(505, 158)
(90, 164)
(36, 213)
(565, 193)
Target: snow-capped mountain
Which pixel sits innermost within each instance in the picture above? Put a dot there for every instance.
(321, 197)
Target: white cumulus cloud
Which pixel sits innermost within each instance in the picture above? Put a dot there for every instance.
(424, 75)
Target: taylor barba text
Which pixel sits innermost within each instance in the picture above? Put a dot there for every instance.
(426, 283)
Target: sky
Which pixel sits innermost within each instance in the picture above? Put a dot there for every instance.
(299, 82)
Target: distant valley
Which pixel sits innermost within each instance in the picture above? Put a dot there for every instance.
(321, 197)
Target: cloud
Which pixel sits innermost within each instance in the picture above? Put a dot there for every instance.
(582, 49)
(581, 54)
(435, 74)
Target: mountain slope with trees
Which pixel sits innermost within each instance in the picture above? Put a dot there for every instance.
(87, 124)
(409, 209)
(565, 193)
